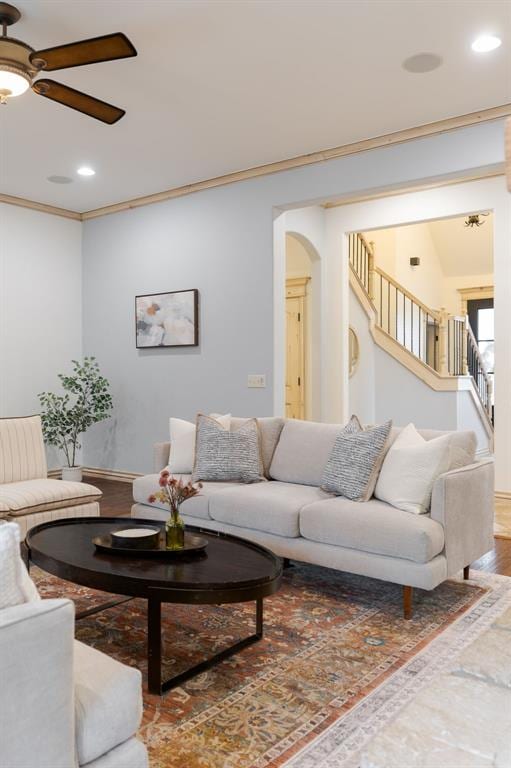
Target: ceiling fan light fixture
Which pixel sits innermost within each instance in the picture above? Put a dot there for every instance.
(13, 82)
(486, 43)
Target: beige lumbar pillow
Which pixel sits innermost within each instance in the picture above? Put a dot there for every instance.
(410, 469)
(182, 443)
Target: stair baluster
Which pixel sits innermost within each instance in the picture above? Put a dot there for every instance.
(442, 341)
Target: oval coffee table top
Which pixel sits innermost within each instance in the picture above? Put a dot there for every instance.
(230, 570)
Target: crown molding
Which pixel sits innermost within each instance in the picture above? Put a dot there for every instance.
(483, 173)
(398, 137)
(21, 202)
(389, 139)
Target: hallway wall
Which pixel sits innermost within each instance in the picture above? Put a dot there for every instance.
(455, 200)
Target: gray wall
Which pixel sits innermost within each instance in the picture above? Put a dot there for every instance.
(362, 388)
(221, 242)
(403, 397)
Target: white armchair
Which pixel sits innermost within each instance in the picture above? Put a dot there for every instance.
(27, 496)
(62, 703)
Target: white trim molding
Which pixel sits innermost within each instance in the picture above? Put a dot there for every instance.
(103, 474)
(389, 139)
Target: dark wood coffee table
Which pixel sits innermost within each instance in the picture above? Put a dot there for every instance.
(232, 570)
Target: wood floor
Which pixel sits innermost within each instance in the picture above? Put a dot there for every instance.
(117, 500)
(503, 518)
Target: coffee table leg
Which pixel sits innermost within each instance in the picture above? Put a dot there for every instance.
(154, 646)
(259, 618)
(154, 654)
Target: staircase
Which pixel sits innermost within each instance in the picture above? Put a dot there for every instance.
(438, 347)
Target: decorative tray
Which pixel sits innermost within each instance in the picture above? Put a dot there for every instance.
(193, 545)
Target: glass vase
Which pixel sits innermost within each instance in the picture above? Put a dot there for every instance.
(175, 532)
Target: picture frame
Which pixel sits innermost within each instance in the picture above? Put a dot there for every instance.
(167, 319)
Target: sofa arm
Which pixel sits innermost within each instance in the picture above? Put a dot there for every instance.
(161, 454)
(36, 688)
(463, 502)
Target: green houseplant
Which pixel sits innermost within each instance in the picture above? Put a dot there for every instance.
(86, 400)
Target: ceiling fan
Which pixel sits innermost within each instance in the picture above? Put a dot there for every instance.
(19, 64)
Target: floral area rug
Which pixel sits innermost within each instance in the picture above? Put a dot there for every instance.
(331, 640)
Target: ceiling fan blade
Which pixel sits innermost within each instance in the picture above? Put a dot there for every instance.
(92, 51)
(67, 96)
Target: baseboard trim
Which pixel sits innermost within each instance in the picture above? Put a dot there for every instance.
(505, 495)
(104, 474)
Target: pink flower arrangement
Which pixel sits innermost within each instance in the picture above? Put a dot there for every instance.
(174, 491)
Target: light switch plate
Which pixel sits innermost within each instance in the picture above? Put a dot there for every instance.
(256, 380)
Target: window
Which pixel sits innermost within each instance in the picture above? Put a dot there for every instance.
(481, 316)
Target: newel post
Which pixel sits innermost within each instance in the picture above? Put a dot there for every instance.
(489, 395)
(372, 273)
(443, 343)
(464, 350)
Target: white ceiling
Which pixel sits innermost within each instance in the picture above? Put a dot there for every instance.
(463, 250)
(224, 85)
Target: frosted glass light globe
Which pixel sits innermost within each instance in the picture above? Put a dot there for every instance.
(486, 43)
(12, 83)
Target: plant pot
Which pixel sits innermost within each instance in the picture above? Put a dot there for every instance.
(74, 474)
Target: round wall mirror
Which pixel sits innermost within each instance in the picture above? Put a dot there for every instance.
(354, 350)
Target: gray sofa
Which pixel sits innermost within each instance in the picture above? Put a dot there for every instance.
(294, 518)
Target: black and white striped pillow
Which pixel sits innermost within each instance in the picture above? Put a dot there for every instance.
(229, 456)
(355, 461)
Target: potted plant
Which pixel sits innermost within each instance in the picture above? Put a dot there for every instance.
(173, 492)
(66, 417)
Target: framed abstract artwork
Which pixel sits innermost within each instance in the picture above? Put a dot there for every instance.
(167, 319)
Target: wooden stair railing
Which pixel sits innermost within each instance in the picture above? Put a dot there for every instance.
(442, 341)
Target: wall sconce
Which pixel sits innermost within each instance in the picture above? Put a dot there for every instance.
(415, 261)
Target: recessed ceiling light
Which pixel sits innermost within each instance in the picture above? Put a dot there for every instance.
(85, 170)
(422, 62)
(486, 43)
(60, 179)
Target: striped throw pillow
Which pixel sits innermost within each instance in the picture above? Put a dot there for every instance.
(355, 461)
(229, 456)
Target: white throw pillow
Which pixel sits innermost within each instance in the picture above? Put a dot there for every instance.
(410, 469)
(182, 443)
(16, 586)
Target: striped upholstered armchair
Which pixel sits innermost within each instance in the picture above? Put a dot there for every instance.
(27, 496)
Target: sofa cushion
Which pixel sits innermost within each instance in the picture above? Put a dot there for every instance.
(463, 444)
(108, 702)
(16, 586)
(270, 428)
(227, 455)
(197, 506)
(183, 436)
(29, 496)
(411, 466)
(302, 451)
(372, 526)
(272, 507)
(21, 449)
(354, 463)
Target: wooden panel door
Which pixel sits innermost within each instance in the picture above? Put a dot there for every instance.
(295, 354)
